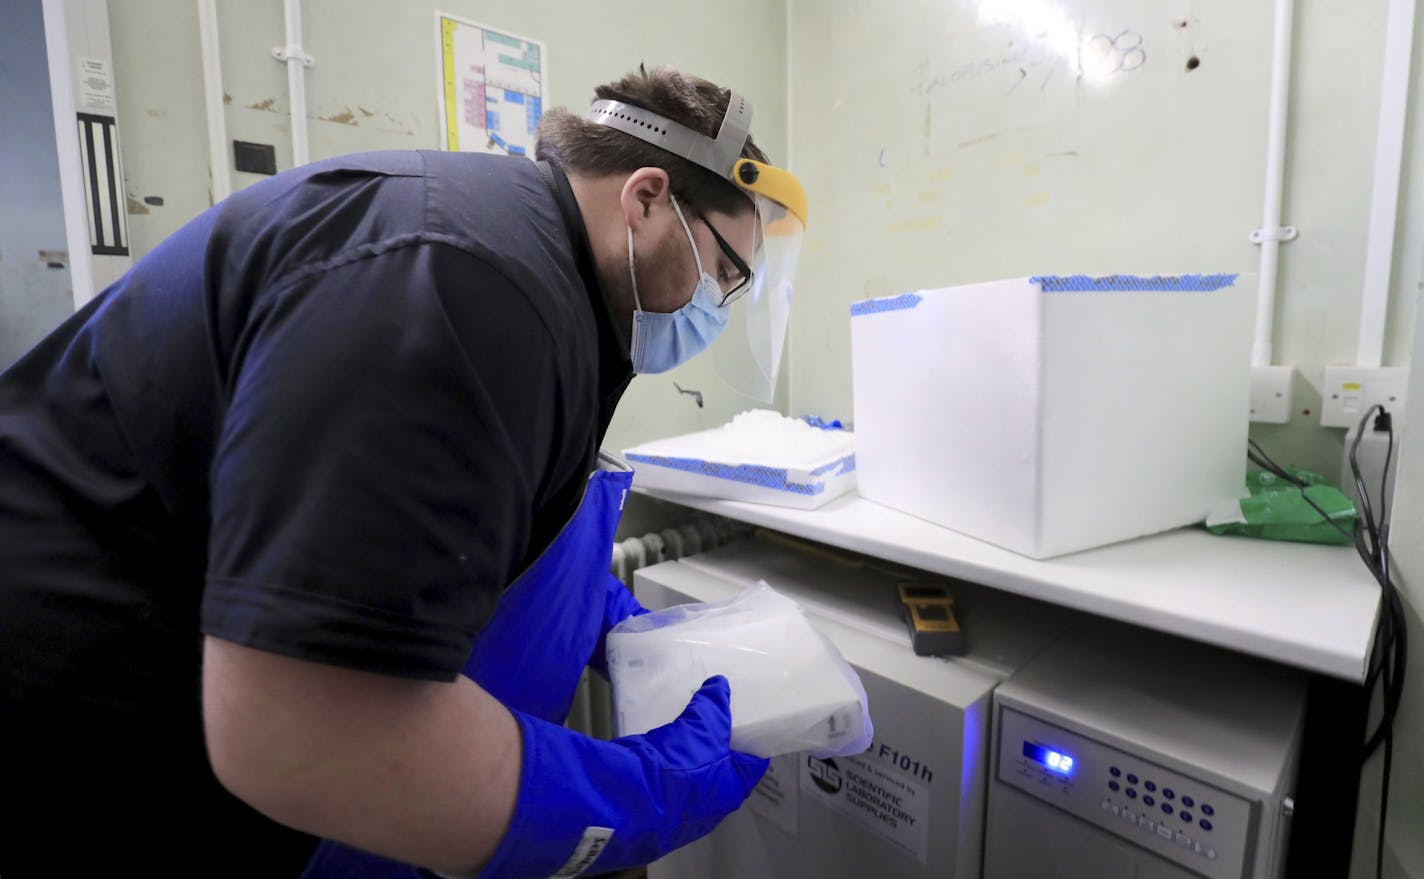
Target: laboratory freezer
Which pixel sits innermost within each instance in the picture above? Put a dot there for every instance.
(913, 804)
(1135, 754)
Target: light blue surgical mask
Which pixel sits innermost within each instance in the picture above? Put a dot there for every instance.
(663, 341)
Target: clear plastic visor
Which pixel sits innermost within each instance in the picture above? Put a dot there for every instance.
(748, 353)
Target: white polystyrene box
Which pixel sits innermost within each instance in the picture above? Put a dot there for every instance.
(1057, 413)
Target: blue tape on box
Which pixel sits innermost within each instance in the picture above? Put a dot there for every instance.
(891, 303)
(1133, 283)
(842, 467)
(774, 478)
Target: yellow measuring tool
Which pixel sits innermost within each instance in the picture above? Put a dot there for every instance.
(928, 611)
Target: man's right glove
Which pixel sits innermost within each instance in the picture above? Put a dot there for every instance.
(548, 627)
(587, 805)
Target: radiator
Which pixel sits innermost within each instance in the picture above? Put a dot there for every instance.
(592, 711)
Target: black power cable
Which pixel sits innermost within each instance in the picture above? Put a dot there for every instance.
(1259, 458)
(1371, 539)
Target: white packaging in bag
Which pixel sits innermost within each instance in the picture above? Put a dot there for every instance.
(791, 688)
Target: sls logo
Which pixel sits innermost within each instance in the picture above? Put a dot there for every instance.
(825, 773)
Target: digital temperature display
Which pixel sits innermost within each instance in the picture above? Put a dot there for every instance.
(1053, 761)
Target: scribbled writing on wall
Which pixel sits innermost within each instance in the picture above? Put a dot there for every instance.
(1035, 63)
(1105, 55)
(1015, 62)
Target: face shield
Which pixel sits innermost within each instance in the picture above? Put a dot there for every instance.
(747, 355)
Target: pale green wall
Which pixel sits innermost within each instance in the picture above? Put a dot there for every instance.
(1330, 163)
(924, 175)
(374, 87)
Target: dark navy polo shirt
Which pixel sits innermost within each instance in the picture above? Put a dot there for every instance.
(332, 418)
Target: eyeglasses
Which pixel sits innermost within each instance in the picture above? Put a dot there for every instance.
(732, 287)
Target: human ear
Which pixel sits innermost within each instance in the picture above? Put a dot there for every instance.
(644, 188)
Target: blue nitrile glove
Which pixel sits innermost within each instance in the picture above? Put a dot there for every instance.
(587, 805)
(543, 634)
(619, 606)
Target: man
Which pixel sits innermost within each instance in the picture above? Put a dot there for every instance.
(259, 500)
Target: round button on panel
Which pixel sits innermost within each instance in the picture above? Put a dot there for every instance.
(1188, 801)
(1167, 807)
(1207, 809)
(1186, 816)
(1113, 786)
(1205, 824)
(1131, 779)
(1151, 785)
(1131, 794)
(1114, 771)
(1148, 800)
(1169, 793)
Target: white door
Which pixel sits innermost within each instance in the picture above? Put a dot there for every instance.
(35, 287)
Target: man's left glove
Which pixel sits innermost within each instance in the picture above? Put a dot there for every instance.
(590, 805)
(587, 805)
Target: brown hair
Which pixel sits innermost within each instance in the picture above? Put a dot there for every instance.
(572, 142)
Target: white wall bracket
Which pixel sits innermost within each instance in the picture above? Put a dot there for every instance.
(1280, 233)
(288, 53)
(1272, 391)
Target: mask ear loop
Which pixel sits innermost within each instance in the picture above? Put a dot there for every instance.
(688, 230)
(632, 272)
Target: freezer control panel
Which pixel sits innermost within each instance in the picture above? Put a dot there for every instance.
(1186, 821)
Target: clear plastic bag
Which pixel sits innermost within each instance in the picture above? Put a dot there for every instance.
(791, 688)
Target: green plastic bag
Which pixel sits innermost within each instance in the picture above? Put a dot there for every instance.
(1276, 510)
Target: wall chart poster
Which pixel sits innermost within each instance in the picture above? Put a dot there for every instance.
(492, 87)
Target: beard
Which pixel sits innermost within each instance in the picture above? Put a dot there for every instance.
(659, 267)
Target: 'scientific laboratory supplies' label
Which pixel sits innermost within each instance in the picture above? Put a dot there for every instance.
(886, 803)
(775, 798)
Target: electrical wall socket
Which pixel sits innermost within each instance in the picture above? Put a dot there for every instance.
(1271, 393)
(1349, 391)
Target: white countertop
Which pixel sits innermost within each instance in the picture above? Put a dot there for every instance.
(1304, 605)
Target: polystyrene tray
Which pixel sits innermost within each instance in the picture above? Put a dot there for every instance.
(684, 464)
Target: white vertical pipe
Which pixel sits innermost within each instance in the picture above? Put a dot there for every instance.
(213, 95)
(296, 81)
(788, 344)
(1384, 203)
(1275, 183)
